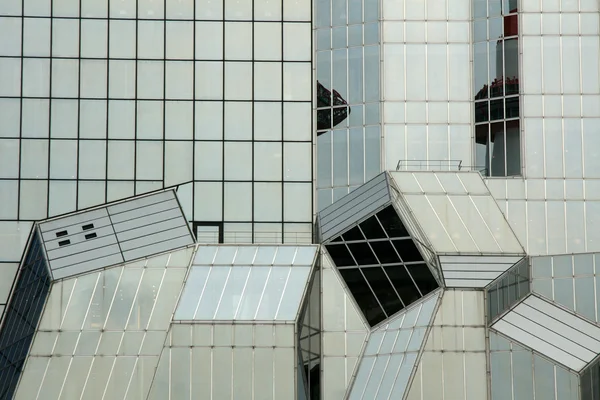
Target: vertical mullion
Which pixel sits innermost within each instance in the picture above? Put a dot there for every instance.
(21, 106)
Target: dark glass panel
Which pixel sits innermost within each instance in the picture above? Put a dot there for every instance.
(353, 234)
(337, 239)
(372, 229)
(340, 255)
(385, 252)
(22, 316)
(383, 289)
(363, 295)
(407, 250)
(362, 253)
(404, 285)
(391, 222)
(423, 277)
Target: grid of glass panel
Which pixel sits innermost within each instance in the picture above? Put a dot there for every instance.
(391, 353)
(102, 333)
(227, 361)
(496, 87)
(309, 346)
(519, 373)
(570, 280)
(381, 265)
(22, 315)
(453, 361)
(246, 283)
(101, 100)
(347, 40)
(508, 289)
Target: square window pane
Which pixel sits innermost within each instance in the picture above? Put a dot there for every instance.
(91, 194)
(238, 9)
(151, 36)
(267, 41)
(39, 8)
(267, 201)
(9, 195)
(65, 37)
(34, 158)
(209, 120)
(238, 154)
(268, 10)
(179, 120)
(93, 78)
(149, 160)
(297, 161)
(121, 119)
(11, 7)
(94, 9)
(267, 161)
(94, 38)
(297, 202)
(150, 78)
(151, 9)
(118, 190)
(61, 197)
(179, 76)
(238, 81)
(180, 39)
(10, 76)
(238, 45)
(208, 201)
(121, 156)
(121, 83)
(122, 39)
(63, 159)
(238, 201)
(297, 10)
(35, 118)
(65, 78)
(65, 117)
(238, 120)
(297, 42)
(10, 36)
(297, 121)
(297, 81)
(36, 37)
(209, 80)
(267, 81)
(150, 119)
(178, 162)
(92, 159)
(34, 199)
(209, 9)
(208, 161)
(9, 158)
(209, 49)
(92, 119)
(267, 121)
(10, 115)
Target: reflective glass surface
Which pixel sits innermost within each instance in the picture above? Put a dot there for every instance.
(508, 288)
(496, 89)
(381, 265)
(309, 355)
(22, 315)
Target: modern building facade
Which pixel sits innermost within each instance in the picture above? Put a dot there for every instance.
(338, 199)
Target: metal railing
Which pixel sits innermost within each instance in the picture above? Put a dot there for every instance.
(258, 237)
(429, 165)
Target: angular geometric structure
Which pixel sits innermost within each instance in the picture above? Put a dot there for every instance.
(334, 112)
(461, 222)
(391, 352)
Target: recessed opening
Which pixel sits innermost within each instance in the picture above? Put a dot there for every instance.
(90, 235)
(64, 242)
(61, 233)
(87, 227)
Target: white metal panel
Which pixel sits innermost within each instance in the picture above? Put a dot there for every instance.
(152, 238)
(552, 331)
(51, 239)
(157, 248)
(141, 202)
(143, 222)
(541, 347)
(144, 211)
(149, 228)
(72, 220)
(90, 255)
(79, 244)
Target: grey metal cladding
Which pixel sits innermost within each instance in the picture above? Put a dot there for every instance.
(350, 209)
(150, 225)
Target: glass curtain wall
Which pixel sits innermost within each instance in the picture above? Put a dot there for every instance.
(348, 149)
(496, 87)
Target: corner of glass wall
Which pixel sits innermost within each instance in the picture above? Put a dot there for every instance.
(589, 381)
(348, 96)
(508, 289)
(23, 313)
(309, 342)
(496, 88)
